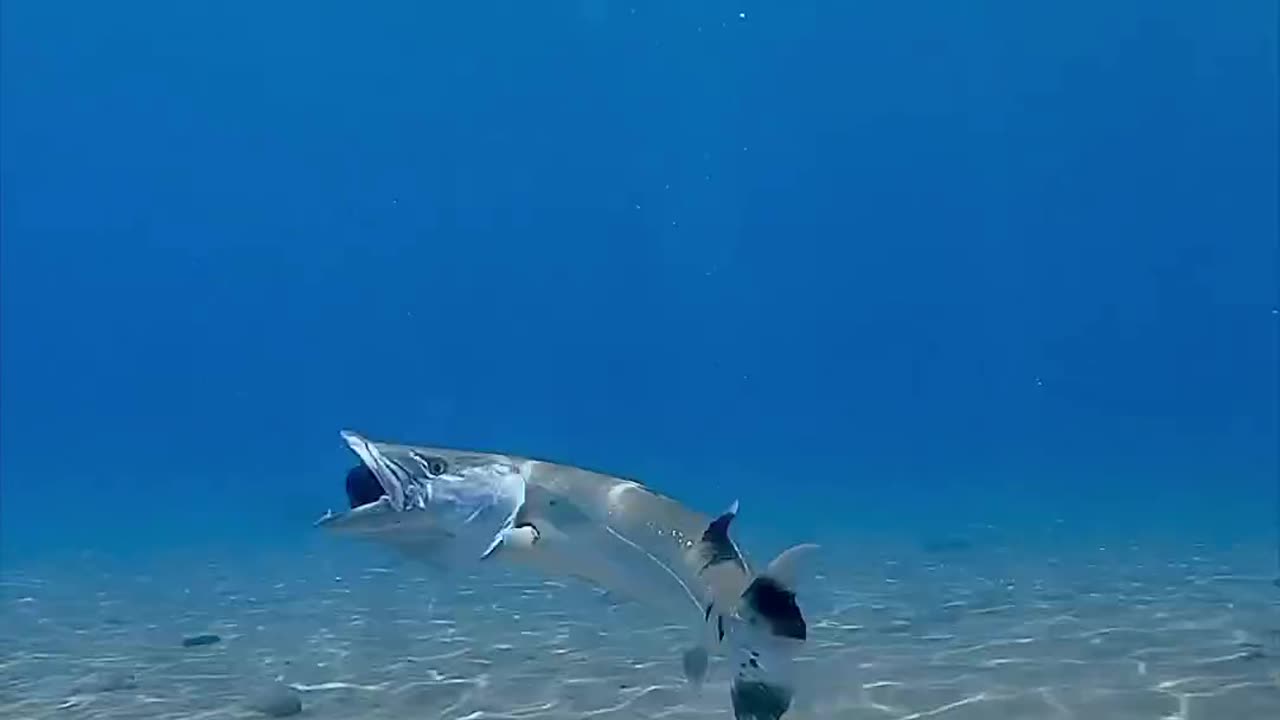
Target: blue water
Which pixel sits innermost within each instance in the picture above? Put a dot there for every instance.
(867, 266)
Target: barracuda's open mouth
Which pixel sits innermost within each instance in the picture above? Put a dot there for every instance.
(377, 485)
(363, 487)
(395, 481)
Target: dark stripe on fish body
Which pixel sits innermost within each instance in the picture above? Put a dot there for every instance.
(777, 606)
(404, 476)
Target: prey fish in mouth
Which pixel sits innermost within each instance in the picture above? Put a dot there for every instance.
(461, 508)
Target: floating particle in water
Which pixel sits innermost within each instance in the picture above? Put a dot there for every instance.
(200, 640)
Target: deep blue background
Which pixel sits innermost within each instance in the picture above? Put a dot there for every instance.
(906, 261)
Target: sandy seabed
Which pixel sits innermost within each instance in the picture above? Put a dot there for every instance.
(898, 631)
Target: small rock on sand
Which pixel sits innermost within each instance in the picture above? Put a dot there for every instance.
(276, 701)
(200, 640)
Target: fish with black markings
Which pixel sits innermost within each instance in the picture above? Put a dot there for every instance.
(458, 508)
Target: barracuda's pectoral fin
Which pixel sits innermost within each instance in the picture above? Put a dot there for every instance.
(517, 532)
(518, 538)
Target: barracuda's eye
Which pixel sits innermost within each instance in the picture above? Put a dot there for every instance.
(434, 466)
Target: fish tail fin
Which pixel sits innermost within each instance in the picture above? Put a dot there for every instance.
(773, 631)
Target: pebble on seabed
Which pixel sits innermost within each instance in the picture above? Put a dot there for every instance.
(277, 701)
(200, 640)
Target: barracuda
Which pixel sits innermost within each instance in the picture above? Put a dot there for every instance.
(459, 508)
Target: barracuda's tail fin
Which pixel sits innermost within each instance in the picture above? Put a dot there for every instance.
(772, 630)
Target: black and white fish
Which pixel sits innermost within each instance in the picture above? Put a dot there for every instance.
(455, 508)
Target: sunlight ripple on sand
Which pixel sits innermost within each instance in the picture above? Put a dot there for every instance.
(1113, 633)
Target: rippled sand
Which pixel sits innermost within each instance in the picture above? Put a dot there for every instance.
(921, 631)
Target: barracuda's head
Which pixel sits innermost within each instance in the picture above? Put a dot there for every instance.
(437, 503)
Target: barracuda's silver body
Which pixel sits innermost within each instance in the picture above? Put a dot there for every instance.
(458, 508)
